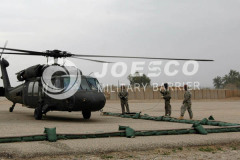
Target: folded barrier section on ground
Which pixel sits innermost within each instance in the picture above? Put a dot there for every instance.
(124, 131)
(204, 121)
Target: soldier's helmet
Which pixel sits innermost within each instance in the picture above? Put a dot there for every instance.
(165, 85)
(185, 87)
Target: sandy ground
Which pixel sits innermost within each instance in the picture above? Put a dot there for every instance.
(221, 152)
(22, 122)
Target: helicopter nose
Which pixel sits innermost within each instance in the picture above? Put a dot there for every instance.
(93, 101)
(97, 99)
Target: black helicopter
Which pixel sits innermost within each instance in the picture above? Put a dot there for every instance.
(86, 98)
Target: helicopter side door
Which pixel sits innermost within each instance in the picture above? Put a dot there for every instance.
(31, 97)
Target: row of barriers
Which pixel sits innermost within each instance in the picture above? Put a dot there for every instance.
(126, 131)
(149, 93)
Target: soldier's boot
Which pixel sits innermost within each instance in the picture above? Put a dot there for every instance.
(181, 117)
(167, 114)
(191, 116)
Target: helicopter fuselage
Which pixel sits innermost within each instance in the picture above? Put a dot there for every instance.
(31, 94)
(87, 97)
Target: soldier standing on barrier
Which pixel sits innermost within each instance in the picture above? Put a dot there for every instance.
(166, 96)
(187, 103)
(123, 95)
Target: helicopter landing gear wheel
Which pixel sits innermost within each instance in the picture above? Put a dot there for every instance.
(12, 108)
(38, 113)
(86, 114)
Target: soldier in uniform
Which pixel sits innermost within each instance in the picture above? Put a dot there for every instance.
(166, 96)
(187, 103)
(123, 95)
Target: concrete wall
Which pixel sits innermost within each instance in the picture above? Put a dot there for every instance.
(177, 94)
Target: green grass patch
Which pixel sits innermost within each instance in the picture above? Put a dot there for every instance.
(234, 148)
(206, 149)
(180, 148)
(219, 149)
(107, 157)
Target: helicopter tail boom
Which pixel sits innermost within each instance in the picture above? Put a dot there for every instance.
(6, 82)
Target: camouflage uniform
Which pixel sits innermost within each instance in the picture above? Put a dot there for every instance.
(187, 103)
(123, 95)
(167, 96)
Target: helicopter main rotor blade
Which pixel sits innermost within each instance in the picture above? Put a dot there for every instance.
(104, 56)
(60, 54)
(34, 54)
(20, 50)
(92, 60)
(19, 53)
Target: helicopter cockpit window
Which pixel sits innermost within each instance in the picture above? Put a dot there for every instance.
(57, 82)
(94, 84)
(30, 89)
(84, 84)
(66, 82)
(35, 89)
(61, 82)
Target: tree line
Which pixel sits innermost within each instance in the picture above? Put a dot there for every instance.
(232, 78)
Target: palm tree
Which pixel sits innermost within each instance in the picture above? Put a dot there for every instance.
(233, 78)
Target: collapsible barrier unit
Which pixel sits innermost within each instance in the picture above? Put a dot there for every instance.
(204, 121)
(126, 131)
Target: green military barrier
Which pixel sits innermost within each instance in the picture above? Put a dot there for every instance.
(199, 128)
(130, 133)
(51, 134)
(223, 129)
(124, 131)
(204, 121)
(211, 118)
(23, 138)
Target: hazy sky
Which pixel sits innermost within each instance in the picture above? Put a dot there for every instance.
(157, 28)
